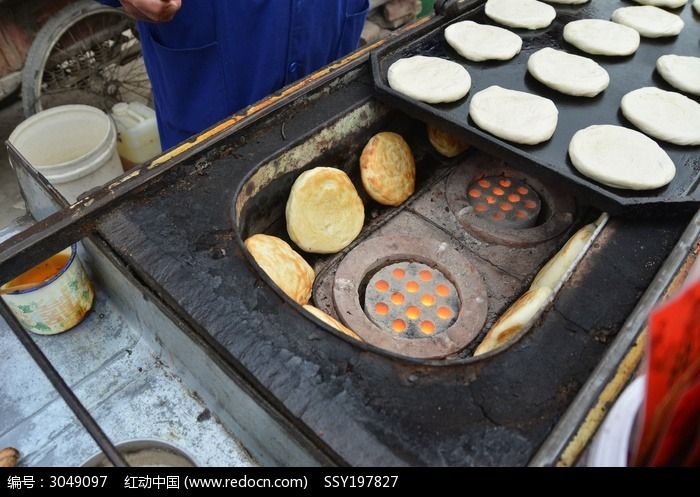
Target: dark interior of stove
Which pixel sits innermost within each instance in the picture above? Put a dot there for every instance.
(265, 214)
(508, 258)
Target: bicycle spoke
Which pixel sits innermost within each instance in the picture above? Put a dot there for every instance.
(97, 54)
(141, 86)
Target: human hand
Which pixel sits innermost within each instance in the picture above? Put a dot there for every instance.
(151, 10)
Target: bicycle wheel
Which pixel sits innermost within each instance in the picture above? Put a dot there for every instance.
(89, 54)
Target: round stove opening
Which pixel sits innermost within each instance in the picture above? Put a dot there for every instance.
(411, 299)
(505, 202)
(498, 204)
(417, 297)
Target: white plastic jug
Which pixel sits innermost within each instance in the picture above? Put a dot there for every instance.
(137, 133)
(73, 146)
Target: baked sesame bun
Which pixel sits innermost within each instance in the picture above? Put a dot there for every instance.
(388, 169)
(446, 143)
(324, 211)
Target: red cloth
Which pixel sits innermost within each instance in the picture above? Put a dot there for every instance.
(671, 412)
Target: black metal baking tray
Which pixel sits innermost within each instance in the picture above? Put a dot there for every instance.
(575, 113)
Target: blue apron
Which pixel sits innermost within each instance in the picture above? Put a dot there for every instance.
(215, 57)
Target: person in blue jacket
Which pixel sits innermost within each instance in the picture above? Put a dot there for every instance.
(207, 59)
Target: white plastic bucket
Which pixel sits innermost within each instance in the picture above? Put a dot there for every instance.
(73, 146)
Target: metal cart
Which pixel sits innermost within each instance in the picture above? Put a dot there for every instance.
(165, 242)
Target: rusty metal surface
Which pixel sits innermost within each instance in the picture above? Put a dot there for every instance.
(495, 413)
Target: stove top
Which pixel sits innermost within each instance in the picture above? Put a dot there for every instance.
(357, 403)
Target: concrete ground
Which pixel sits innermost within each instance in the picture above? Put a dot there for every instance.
(130, 390)
(11, 203)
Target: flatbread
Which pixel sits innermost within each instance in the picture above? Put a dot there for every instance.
(283, 265)
(526, 14)
(512, 322)
(429, 79)
(681, 72)
(620, 157)
(324, 211)
(599, 37)
(446, 143)
(666, 115)
(671, 4)
(554, 271)
(331, 321)
(514, 115)
(568, 73)
(649, 21)
(388, 169)
(479, 42)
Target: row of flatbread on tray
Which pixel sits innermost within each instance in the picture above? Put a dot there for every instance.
(613, 155)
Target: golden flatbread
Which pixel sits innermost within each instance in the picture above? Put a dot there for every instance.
(324, 212)
(512, 322)
(446, 143)
(552, 273)
(331, 321)
(388, 169)
(283, 265)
